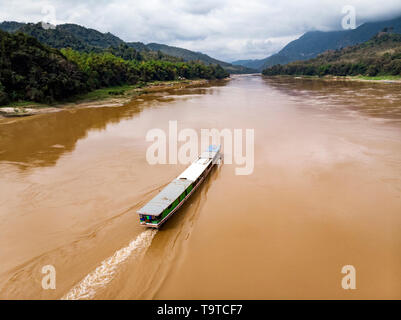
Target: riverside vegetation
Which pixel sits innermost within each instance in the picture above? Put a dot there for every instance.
(32, 71)
(378, 57)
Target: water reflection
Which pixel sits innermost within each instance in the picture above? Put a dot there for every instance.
(41, 140)
(379, 100)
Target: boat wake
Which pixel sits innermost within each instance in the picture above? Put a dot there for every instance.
(102, 275)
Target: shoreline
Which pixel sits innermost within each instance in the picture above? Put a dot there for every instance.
(121, 95)
(390, 80)
(105, 97)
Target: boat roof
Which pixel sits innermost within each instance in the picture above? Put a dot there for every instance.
(166, 197)
(169, 194)
(194, 171)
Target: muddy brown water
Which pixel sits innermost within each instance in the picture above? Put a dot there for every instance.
(325, 193)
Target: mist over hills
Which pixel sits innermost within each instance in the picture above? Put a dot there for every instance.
(380, 56)
(313, 43)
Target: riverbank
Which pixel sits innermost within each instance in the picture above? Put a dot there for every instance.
(378, 79)
(106, 97)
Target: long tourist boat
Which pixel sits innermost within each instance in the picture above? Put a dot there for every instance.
(171, 198)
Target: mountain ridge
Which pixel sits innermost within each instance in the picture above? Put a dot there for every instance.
(379, 56)
(312, 43)
(85, 39)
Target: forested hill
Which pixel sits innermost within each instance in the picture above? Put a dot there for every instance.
(89, 40)
(11, 26)
(32, 71)
(82, 39)
(188, 55)
(313, 43)
(379, 56)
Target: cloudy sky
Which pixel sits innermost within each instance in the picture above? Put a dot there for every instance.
(225, 29)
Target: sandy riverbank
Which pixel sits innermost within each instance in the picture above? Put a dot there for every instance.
(115, 100)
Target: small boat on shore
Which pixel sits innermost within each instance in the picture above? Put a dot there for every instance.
(158, 210)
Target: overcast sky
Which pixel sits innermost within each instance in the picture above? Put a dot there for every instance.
(225, 29)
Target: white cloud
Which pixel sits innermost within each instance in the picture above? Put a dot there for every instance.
(225, 29)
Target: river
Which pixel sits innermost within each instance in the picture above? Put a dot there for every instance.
(325, 192)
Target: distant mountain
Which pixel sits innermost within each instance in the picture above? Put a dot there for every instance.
(85, 39)
(10, 26)
(138, 46)
(188, 55)
(380, 56)
(256, 64)
(315, 42)
(58, 37)
(90, 36)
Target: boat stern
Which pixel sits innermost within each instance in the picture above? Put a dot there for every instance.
(148, 220)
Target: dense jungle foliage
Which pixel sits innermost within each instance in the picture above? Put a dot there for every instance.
(32, 71)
